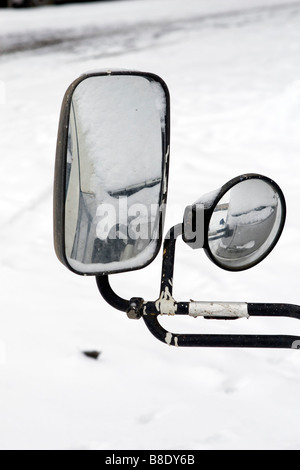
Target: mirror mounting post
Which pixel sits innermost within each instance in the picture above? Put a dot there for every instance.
(109, 295)
(169, 259)
(132, 307)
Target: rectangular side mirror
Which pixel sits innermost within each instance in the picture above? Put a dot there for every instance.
(111, 172)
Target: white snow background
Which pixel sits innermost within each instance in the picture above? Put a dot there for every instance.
(233, 70)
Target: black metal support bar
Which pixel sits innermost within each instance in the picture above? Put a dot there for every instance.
(151, 310)
(274, 310)
(169, 258)
(254, 310)
(220, 341)
(166, 304)
(110, 296)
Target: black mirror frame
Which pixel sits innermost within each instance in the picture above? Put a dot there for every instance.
(60, 168)
(210, 211)
(191, 215)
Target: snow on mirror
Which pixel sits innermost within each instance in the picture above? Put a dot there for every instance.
(246, 224)
(116, 173)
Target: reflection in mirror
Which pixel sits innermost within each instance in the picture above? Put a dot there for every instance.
(116, 173)
(245, 224)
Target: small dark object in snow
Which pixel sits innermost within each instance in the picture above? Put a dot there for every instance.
(92, 354)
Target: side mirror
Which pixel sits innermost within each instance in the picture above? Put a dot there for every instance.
(110, 191)
(239, 224)
(111, 172)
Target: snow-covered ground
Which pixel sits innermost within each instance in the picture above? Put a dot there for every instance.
(233, 70)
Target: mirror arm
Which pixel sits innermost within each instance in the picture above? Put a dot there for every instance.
(132, 307)
(166, 305)
(169, 259)
(274, 310)
(220, 341)
(109, 295)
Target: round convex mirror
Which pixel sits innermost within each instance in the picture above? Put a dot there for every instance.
(246, 222)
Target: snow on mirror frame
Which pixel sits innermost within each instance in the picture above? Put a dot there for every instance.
(111, 172)
(244, 222)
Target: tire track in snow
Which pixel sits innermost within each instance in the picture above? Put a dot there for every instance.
(127, 38)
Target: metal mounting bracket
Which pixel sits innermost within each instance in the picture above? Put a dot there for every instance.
(166, 305)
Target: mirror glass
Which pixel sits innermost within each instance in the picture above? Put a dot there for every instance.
(245, 224)
(116, 173)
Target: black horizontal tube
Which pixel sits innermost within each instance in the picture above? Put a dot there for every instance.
(182, 308)
(274, 310)
(254, 310)
(220, 341)
(208, 340)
